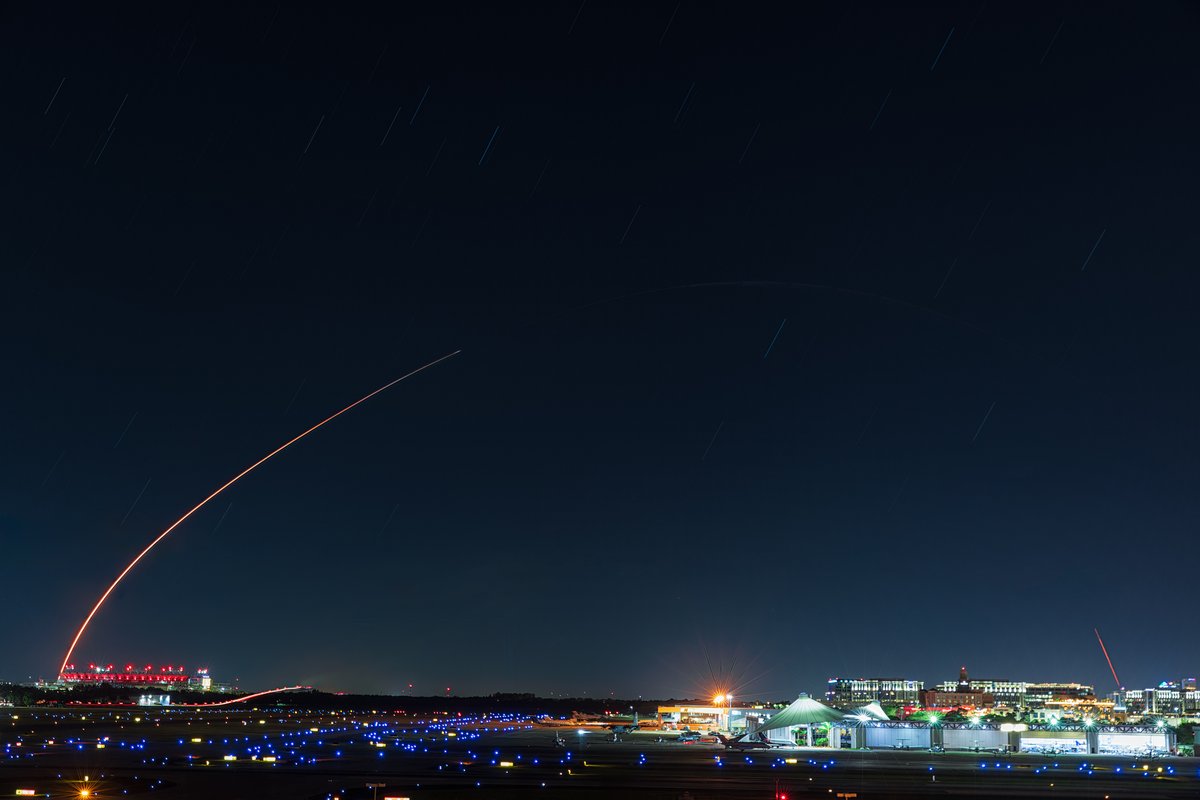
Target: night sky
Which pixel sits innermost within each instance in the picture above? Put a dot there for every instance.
(850, 340)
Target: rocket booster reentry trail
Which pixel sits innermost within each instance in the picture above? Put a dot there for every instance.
(226, 485)
(243, 699)
(1104, 650)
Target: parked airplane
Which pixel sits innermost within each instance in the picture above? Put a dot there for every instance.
(741, 743)
(630, 728)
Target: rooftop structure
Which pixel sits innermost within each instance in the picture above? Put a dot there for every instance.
(961, 696)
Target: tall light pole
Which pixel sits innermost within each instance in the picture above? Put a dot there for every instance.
(721, 699)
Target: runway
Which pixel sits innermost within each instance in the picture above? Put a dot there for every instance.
(259, 754)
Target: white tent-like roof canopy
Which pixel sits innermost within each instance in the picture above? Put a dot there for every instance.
(804, 711)
(871, 710)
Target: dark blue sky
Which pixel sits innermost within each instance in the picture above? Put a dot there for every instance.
(973, 440)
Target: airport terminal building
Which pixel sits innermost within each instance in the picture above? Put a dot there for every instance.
(704, 717)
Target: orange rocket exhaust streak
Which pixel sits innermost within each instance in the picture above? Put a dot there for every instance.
(226, 485)
(243, 699)
(1104, 650)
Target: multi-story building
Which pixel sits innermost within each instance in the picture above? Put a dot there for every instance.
(850, 693)
(1139, 701)
(1169, 697)
(937, 699)
(132, 675)
(1190, 696)
(1057, 699)
(1010, 694)
(1038, 695)
(951, 695)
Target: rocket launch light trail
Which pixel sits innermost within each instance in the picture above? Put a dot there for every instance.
(226, 485)
(242, 699)
(1106, 658)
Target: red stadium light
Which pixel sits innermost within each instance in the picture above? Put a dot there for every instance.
(166, 675)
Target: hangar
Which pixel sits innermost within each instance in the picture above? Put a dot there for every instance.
(868, 727)
(1004, 737)
(804, 712)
